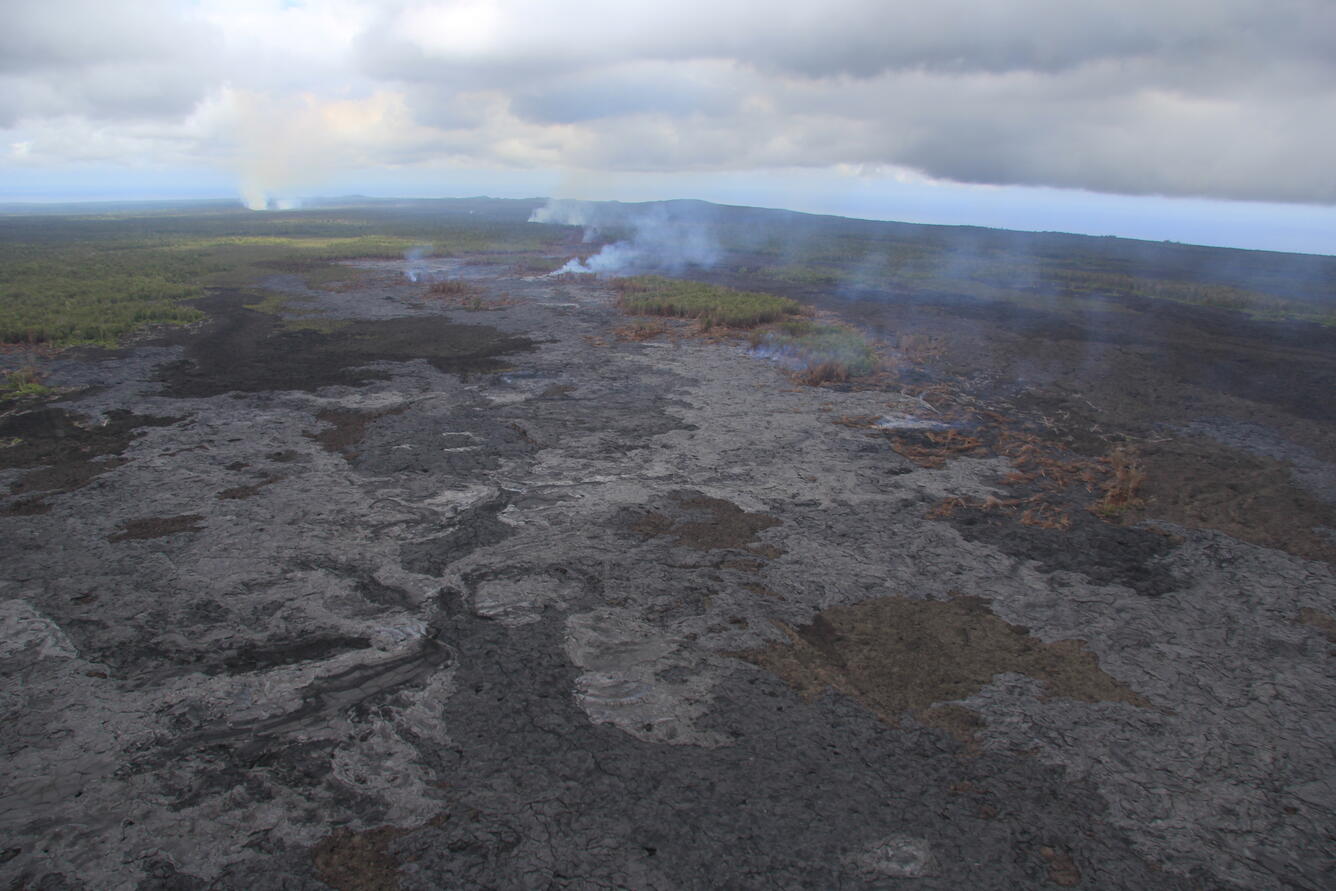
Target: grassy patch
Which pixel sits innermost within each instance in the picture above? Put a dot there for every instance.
(295, 316)
(23, 383)
(817, 351)
(711, 305)
(242, 261)
(821, 352)
(465, 295)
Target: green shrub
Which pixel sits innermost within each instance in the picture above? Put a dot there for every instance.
(21, 383)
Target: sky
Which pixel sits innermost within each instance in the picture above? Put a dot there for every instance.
(1206, 121)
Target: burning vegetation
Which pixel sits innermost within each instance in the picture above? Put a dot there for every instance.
(820, 351)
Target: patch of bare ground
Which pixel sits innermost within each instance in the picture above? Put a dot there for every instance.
(243, 350)
(898, 656)
(1204, 485)
(25, 507)
(358, 861)
(157, 527)
(64, 450)
(1319, 620)
(347, 427)
(1062, 869)
(695, 520)
(647, 329)
(240, 493)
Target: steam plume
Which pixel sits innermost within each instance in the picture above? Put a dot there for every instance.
(661, 237)
(283, 147)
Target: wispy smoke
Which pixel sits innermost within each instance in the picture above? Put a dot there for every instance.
(660, 237)
(565, 212)
(415, 266)
(257, 197)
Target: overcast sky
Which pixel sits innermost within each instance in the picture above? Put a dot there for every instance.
(886, 108)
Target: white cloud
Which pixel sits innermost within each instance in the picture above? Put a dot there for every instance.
(1225, 98)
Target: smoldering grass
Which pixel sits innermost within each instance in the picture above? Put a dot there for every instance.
(820, 352)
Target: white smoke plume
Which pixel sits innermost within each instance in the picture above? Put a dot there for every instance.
(415, 266)
(284, 146)
(663, 237)
(564, 211)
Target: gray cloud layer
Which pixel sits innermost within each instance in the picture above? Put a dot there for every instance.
(1223, 98)
(103, 61)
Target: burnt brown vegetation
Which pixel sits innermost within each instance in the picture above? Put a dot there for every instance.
(465, 295)
(240, 493)
(358, 861)
(346, 428)
(902, 657)
(695, 520)
(157, 527)
(1202, 485)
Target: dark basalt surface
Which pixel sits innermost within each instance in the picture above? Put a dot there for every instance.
(1107, 554)
(249, 351)
(433, 599)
